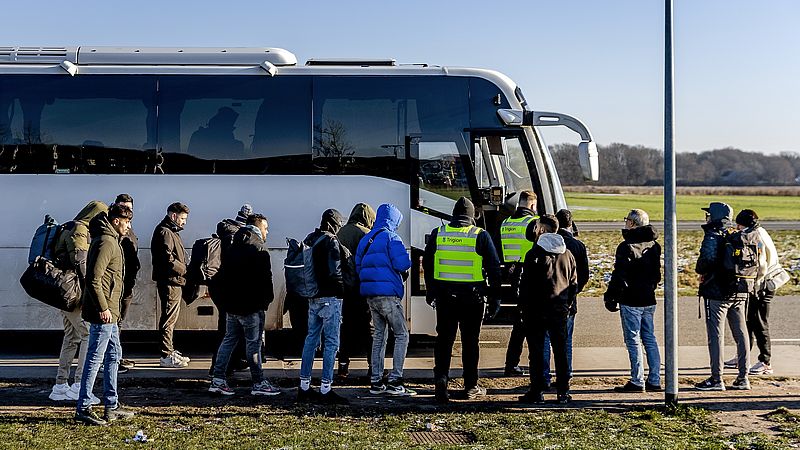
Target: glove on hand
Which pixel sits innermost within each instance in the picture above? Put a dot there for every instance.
(611, 306)
(492, 309)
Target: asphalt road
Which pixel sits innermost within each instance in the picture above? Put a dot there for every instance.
(685, 225)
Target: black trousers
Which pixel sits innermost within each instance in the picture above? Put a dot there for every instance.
(453, 314)
(298, 315)
(356, 330)
(124, 304)
(758, 324)
(537, 323)
(515, 341)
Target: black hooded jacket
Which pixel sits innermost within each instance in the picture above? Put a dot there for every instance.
(637, 268)
(714, 285)
(245, 276)
(327, 255)
(169, 254)
(578, 250)
(464, 215)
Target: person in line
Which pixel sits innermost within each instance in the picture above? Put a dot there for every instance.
(169, 269)
(458, 259)
(517, 234)
(547, 288)
(382, 262)
(102, 298)
(632, 291)
(130, 249)
(70, 251)
(356, 326)
(719, 303)
(226, 230)
(759, 303)
(245, 285)
(578, 250)
(324, 310)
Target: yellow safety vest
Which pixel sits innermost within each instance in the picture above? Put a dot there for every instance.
(512, 236)
(456, 257)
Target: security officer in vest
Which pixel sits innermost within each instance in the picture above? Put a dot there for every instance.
(459, 257)
(517, 234)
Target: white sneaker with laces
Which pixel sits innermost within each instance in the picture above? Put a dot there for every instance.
(180, 356)
(75, 391)
(761, 369)
(732, 363)
(172, 361)
(59, 392)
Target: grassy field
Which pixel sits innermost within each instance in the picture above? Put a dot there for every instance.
(601, 246)
(614, 206)
(262, 426)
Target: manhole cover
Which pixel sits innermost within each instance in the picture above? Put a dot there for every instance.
(441, 437)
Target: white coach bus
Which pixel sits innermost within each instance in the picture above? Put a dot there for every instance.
(216, 128)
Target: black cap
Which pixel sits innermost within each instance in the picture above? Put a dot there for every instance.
(719, 211)
(747, 218)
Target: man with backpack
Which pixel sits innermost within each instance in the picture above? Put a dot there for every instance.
(101, 308)
(169, 271)
(382, 262)
(244, 288)
(356, 330)
(718, 287)
(70, 253)
(324, 308)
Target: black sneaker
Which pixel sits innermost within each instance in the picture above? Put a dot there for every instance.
(532, 397)
(89, 416)
(629, 387)
(474, 392)
(377, 388)
(308, 396)
(344, 370)
(398, 389)
(563, 398)
(332, 398)
(709, 384)
(515, 371)
(441, 394)
(119, 412)
(653, 387)
(122, 369)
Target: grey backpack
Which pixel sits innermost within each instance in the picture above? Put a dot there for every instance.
(298, 268)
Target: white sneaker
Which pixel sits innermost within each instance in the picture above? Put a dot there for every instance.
(173, 361)
(59, 392)
(180, 356)
(732, 363)
(761, 369)
(75, 390)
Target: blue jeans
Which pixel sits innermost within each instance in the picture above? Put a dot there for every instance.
(388, 311)
(324, 317)
(570, 326)
(103, 349)
(637, 328)
(238, 327)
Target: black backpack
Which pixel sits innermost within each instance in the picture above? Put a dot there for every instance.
(298, 268)
(205, 263)
(742, 249)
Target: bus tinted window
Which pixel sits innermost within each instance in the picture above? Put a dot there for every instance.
(360, 123)
(483, 109)
(86, 124)
(229, 124)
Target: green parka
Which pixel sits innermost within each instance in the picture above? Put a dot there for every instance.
(105, 271)
(73, 243)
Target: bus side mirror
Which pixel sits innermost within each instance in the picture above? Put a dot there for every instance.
(587, 156)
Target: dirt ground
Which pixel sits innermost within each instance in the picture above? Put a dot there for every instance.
(735, 411)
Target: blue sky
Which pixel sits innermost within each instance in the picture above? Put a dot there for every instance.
(736, 71)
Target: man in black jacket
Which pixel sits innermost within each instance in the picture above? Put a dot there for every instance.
(245, 289)
(578, 250)
(169, 268)
(547, 290)
(130, 249)
(637, 272)
(324, 310)
(715, 290)
(458, 259)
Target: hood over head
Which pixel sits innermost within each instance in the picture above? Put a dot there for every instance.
(332, 221)
(362, 214)
(389, 217)
(552, 243)
(464, 209)
(644, 233)
(101, 225)
(91, 209)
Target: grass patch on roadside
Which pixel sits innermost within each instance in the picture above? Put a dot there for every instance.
(613, 207)
(601, 246)
(788, 422)
(307, 427)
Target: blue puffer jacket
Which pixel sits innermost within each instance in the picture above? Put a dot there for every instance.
(380, 267)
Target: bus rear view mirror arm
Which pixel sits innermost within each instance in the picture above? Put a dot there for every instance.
(587, 149)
